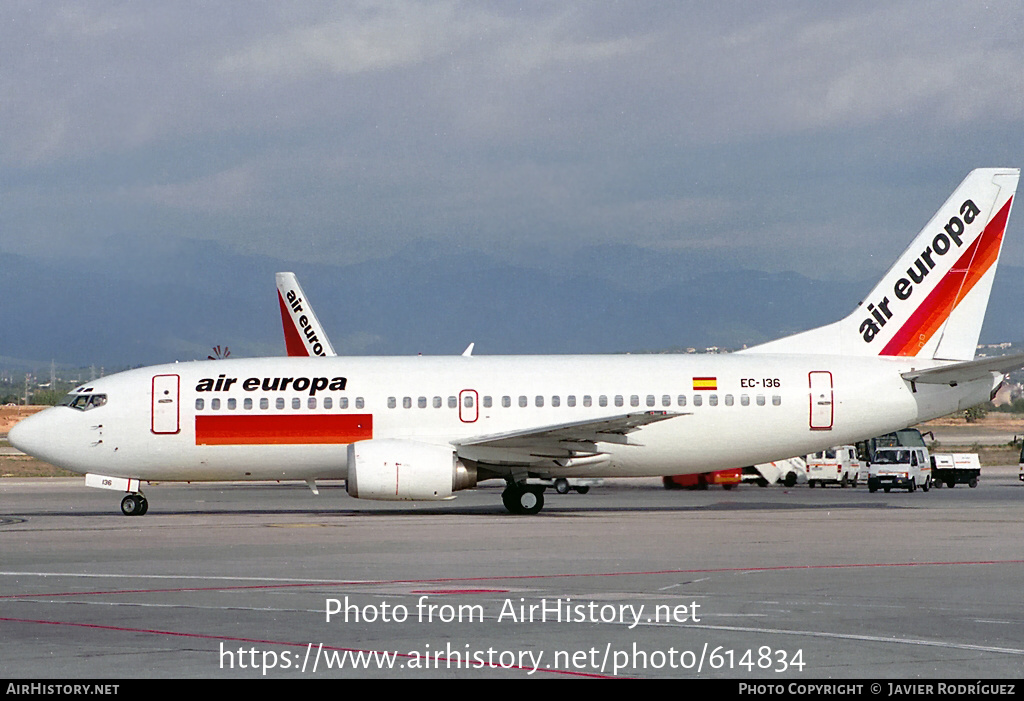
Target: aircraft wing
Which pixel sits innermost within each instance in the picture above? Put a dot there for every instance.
(569, 439)
(967, 371)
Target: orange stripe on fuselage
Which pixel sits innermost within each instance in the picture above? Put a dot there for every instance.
(294, 429)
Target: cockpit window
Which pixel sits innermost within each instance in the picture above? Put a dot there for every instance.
(84, 402)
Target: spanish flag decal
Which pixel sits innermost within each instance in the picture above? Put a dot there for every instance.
(710, 383)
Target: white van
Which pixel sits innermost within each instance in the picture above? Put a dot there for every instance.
(837, 465)
(903, 468)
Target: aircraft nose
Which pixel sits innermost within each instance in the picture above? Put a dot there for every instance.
(29, 434)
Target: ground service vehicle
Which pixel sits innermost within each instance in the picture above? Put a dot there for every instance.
(952, 469)
(903, 468)
(786, 472)
(726, 478)
(836, 465)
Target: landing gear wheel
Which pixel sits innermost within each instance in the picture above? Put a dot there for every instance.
(134, 505)
(562, 485)
(527, 500)
(582, 490)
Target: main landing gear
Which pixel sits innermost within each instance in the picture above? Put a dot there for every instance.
(134, 505)
(527, 499)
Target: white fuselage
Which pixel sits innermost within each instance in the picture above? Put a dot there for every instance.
(733, 411)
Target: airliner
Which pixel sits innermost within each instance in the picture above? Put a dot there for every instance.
(424, 427)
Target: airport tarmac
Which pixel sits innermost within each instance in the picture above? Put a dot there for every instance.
(631, 580)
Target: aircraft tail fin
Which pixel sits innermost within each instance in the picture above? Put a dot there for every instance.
(303, 334)
(932, 302)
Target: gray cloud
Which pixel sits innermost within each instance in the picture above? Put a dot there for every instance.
(791, 134)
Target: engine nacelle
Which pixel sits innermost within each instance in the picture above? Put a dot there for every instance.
(405, 471)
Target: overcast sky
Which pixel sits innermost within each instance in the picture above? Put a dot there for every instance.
(786, 135)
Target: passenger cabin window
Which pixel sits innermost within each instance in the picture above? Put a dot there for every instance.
(697, 400)
(437, 402)
(264, 403)
(506, 401)
(200, 404)
(328, 403)
(453, 402)
(360, 403)
(247, 403)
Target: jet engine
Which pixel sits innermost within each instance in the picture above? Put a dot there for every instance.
(402, 470)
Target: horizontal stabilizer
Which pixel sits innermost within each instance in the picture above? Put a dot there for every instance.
(966, 372)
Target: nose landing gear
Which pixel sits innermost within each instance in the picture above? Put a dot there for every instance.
(134, 505)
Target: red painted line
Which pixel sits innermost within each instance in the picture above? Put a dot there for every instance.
(204, 636)
(287, 429)
(459, 591)
(518, 577)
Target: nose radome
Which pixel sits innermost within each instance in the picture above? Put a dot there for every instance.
(27, 434)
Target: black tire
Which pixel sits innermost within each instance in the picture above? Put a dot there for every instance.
(523, 500)
(131, 505)
(562, 485)
(885, 489)
(145, 506)
(790, 480)
(927, 485)
(810, 484)
(950, 482)
(973, 483)
(913, 486)
(844, 482)
(582, 490)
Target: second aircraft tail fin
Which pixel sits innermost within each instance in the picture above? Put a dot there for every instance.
(303, 334)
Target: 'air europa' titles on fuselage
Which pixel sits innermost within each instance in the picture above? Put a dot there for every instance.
(941, 244)
(295, 302)
(273, 384)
